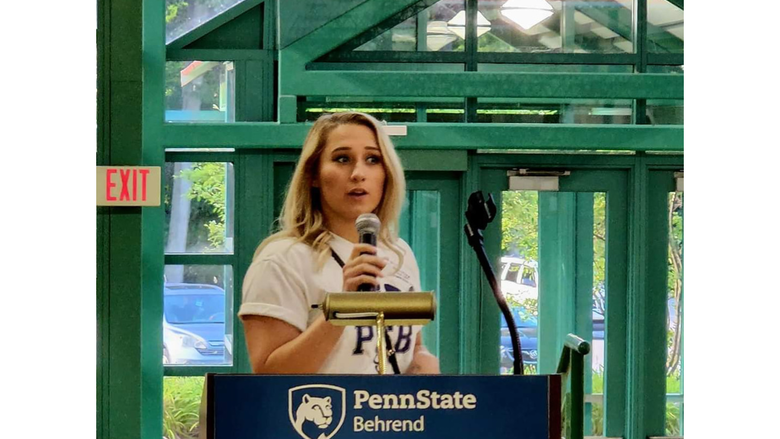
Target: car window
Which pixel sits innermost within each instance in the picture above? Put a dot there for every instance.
(529, 277)
(514, 270)
(194, 308)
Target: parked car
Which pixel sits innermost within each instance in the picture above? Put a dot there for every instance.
(527, 327)
(598, 324)
(193, 324)
(519, 278)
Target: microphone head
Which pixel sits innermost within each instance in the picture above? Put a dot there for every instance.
(368, 223)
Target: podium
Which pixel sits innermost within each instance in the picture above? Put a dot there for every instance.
(245, 406)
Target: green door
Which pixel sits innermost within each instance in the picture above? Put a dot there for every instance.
(428, 225)
(561, 259)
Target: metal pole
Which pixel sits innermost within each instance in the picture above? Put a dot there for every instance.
(577, 395)
(381, 349)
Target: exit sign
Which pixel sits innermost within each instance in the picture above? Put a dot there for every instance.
(128, 185)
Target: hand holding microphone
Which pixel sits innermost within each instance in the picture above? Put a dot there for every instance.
(364, 266)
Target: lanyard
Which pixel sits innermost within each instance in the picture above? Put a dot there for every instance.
(388, 341)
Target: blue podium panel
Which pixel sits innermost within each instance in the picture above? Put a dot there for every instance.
(368, 406)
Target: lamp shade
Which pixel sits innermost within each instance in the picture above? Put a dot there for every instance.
(526, 13)
(458, 24)
(439, 35)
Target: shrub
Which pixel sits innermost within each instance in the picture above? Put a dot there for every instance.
(181, 407)
(673, 416)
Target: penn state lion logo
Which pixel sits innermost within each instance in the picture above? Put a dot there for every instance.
(317, 410)
(312, 408)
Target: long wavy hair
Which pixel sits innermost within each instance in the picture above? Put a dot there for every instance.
(301, 216)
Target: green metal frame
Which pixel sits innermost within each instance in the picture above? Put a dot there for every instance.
(646, 350)
(220, 55)
(130, 263)
(442, 136)
(486, 84)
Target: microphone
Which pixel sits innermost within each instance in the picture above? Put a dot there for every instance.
(367, 226)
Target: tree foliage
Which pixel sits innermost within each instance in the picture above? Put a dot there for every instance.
(675, 283)
(209, 192)
(172, 8)
(181, 407)
(183, 15)
(599, 252)
(672, 417)
(520, 224)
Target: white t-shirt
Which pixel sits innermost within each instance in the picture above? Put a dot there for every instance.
(283, 282)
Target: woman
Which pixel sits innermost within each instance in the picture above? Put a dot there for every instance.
(348, 167)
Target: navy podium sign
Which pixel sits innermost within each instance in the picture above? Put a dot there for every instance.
(367, 406)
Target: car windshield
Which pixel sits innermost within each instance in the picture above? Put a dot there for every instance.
(194, 308)
(522, 317)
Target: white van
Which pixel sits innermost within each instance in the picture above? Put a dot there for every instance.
(519, 278)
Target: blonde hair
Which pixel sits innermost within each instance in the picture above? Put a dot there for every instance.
(301, 216)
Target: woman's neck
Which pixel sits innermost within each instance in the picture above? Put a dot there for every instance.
(345, 230)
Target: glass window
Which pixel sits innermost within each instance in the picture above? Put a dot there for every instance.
(598, 313)
(196, 307)
(665, 27)
(401, 37)
(529, 276)
(199, 207)
(200, 91)
(197, 302)
(446, 113)
(420, 227)
(181, 407)
(385, 111)
(556, 26)
(446, 26)
(444, 23)
(182, 16)
(514, 270)
(561, 111)
(674, 319)
(665, 112)
(393, 110)
(519, 249)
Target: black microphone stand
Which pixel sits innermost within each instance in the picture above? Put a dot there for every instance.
(478, 214)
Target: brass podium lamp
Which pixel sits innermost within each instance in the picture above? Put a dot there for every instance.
(379, 309)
